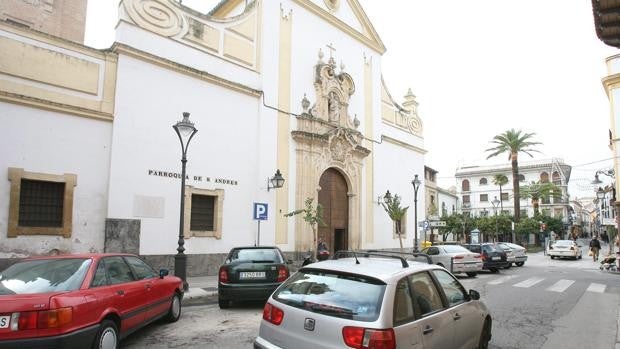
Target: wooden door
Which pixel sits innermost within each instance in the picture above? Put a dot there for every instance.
(335, 201)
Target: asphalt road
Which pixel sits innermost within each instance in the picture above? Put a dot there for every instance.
(544, 304)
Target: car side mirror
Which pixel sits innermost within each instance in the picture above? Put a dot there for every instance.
(163, 272)
(473, 294)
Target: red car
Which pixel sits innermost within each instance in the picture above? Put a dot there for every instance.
(83, 300)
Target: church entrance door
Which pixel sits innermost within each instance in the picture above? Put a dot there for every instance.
(335, 201)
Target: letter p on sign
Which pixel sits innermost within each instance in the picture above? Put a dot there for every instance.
(260, 211)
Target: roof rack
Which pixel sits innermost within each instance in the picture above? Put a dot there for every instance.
(414, 254)
(346, 253)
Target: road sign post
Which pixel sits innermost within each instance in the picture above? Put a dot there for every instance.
(260, 214)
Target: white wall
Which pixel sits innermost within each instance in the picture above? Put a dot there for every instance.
(149, 101)
(52, 143)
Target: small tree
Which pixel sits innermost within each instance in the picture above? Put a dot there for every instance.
(313, 215)
(396, 212)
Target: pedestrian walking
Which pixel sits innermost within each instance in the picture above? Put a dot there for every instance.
(595, 247)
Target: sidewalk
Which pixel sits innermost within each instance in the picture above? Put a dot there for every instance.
(200, 288)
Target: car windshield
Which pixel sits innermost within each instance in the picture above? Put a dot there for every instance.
(341, 295)
(255, 255)
(44, 275)
(455, 249)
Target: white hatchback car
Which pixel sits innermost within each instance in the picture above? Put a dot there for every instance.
(374, 301)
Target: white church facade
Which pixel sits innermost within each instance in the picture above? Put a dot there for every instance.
(93, 164)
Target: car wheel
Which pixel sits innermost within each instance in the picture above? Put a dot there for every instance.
(494, 270)
(520, 264)
(485, 336)
(223, 303)
(580, 256)
(175, 309)
(552, 257)
(107, 336)
(472, 275)
(508, 266)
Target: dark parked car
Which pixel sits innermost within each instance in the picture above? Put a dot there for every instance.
(251, 273)
(83, 300)
(493, 257)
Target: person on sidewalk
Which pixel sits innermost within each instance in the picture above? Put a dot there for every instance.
(595, 247)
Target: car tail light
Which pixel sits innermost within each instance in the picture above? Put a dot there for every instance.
(458, 257)
(550, 247)
(273, 314)
(572, 248)
(31, 320)
(363, 338)
(55, 318)
(27, 320)
(223, 275)
(282, 273)
(477, 256)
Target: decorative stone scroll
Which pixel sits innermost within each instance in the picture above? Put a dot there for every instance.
(157, 16)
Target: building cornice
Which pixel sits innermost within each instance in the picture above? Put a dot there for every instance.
(183, 69)
(374, 42)
(403, 144)
(53, 106)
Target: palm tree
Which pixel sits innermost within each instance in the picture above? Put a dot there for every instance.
(397, 213)
(513, 142)
(501, 180)
(313, 216)
(538, 190)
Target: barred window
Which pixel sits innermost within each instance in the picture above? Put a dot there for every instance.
(41, 203)
(203, 207)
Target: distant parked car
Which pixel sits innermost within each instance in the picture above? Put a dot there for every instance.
(83, 300)
(368, 300)
(251, 273)
(510, 255)
(520, 253)
(493, 257)
(455, 258)
(565, 249)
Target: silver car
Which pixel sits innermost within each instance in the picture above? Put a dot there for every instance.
(455, 258)
(519, 253)
(373, 302)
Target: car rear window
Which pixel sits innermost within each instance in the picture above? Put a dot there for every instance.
(342, 295)
(563, 243)
(455, 249)
(256, 255)
(44, 275)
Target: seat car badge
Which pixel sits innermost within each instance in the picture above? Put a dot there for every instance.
(309, 324)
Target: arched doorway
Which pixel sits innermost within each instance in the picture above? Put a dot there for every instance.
(335, 201)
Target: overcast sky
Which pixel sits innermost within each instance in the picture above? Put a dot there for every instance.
(479, 68)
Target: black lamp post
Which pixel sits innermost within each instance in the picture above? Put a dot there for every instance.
(416, 185)
(185, 130)
(496, 203)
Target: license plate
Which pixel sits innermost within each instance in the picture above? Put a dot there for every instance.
(5, 321)
(496, 258)
(252, 275)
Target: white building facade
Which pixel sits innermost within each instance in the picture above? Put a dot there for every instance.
(294, 86)
(477, 191)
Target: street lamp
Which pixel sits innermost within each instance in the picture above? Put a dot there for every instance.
(496, 203)
(277, 181)
(416, 185)
(385, 199)
(185, 130)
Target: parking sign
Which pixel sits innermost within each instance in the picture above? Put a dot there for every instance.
(260, 211)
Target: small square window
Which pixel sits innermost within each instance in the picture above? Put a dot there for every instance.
(202, 212)
(40, 204)
(484, 197)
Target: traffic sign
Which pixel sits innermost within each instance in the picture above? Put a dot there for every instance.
(437, 223)
(260, 211)
(426, 224)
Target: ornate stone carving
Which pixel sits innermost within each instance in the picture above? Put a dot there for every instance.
(159, 16)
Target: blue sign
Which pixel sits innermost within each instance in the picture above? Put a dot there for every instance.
(260, 211)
